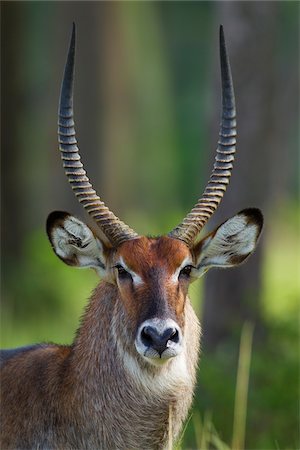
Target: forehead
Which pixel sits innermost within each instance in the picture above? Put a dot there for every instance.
(143, 253)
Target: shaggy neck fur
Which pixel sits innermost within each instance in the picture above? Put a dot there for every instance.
(129, 399)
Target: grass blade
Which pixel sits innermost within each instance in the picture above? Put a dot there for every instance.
(242, 384)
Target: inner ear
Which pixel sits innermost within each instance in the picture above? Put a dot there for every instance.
(74, 242)
(231, 243)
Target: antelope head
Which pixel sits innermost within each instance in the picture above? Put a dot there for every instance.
(152, 275)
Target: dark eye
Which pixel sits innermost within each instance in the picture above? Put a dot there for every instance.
(122, 273)
(186, 271)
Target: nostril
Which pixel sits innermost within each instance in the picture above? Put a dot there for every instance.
(146, 336)
(174, 336)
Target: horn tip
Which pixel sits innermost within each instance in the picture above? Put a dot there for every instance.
(73, 36)
(222, 39)
(73, 31)
(221, 33)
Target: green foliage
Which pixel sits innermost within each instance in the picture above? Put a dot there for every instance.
(45, 302)
(281, 281)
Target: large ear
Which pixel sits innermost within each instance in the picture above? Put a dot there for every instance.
(231, 243)
(74, 242)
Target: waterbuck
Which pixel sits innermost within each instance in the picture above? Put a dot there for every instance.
(132, 365)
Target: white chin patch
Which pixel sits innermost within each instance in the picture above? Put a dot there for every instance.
(153, 357)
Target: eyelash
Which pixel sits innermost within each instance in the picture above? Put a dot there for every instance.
(186, 271)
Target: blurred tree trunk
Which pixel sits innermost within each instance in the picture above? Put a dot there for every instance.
(12, 155)
(138, 121)
(9, 139)
(264, 112)
(25, 109)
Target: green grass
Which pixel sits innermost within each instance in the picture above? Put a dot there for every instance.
(206, 436)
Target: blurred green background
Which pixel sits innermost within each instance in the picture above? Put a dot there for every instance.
(147, 105)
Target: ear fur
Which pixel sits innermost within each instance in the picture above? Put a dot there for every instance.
(74, 242)
(231, 243)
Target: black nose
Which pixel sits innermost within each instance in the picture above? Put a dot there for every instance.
(159, 341)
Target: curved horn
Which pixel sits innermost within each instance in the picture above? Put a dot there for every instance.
(219, 179)
(115, 230)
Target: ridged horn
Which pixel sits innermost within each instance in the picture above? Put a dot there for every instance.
(219, 179)
(115, 230)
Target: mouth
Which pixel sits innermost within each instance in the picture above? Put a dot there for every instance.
(159, 359)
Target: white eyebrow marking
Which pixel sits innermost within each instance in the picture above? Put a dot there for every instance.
(136, 278)
(185, 262)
